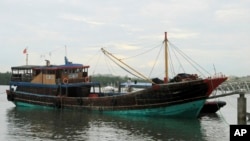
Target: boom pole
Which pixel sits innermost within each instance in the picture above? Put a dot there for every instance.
(107, 53)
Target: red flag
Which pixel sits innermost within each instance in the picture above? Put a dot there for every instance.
(25, 51)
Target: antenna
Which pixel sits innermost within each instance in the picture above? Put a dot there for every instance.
(65, 50)
(214, 69)
(25, 51)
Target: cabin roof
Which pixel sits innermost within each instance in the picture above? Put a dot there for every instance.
(25, 67)
(67, 66)
(51, 67)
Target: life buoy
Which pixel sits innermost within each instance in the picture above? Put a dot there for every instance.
(65, 80)
(87, 79)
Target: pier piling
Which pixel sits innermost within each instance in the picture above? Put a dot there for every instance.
(242, 114)
(242, 120)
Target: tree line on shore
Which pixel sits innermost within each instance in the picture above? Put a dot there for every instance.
(104, 79)
(108, 79)
(5, 78)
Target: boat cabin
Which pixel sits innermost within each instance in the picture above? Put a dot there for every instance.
(22, 73)
(69, 79)
(51, 74)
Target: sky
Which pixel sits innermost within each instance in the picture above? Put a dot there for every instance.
(214, 33)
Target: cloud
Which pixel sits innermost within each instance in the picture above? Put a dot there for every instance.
(183, 34)
(233, 14)
(210, 30)
(81, 19)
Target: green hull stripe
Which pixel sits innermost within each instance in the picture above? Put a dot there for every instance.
(190, 109)
(185, 110)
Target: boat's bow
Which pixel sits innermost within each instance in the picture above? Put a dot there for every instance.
(214, 82)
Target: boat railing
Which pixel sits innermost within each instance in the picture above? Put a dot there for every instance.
(76, 80)
(218, 75)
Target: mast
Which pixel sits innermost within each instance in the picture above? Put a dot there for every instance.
(27, 58)
(166, 58)
(26, 54)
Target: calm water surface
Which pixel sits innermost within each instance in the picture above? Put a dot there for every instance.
(20, 123)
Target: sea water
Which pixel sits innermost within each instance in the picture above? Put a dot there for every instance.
(22, 123)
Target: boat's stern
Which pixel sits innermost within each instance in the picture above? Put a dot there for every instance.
(10, 95)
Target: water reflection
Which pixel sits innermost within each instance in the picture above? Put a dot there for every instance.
(214, 127)
(43, 124)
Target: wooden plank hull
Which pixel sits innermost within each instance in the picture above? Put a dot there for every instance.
(185, 110)
(184, 99)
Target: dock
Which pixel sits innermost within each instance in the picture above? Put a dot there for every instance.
(241, 88)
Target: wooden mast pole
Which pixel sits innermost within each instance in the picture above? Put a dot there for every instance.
(166, 58)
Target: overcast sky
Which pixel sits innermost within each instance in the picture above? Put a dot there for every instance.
(214, 33)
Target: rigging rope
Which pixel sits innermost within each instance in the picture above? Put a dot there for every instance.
(50, 52)
(171, 64)
(188, 59)
(109, 66)
(98, 59)
(141, 53)
(155, 61)
(110, 55)
(122, 67)
(174, 49)
(171, 61)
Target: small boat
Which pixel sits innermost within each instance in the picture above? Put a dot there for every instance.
(68, 86)
(109, 89)
(212, 106)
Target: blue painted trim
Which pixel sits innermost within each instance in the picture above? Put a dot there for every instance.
(80, 84)
(33, 84)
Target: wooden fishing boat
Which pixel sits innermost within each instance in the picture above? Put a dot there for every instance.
(69, 86)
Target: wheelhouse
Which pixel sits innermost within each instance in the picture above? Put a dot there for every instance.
(51, 74)
(70, 80)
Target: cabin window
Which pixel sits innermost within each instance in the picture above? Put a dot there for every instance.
(65, 71)
(51, 72)
(78, 70)
(85, 70)
(47, 72)
(50, 77)
(57, 74)
(21, 74)
(36, 72)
